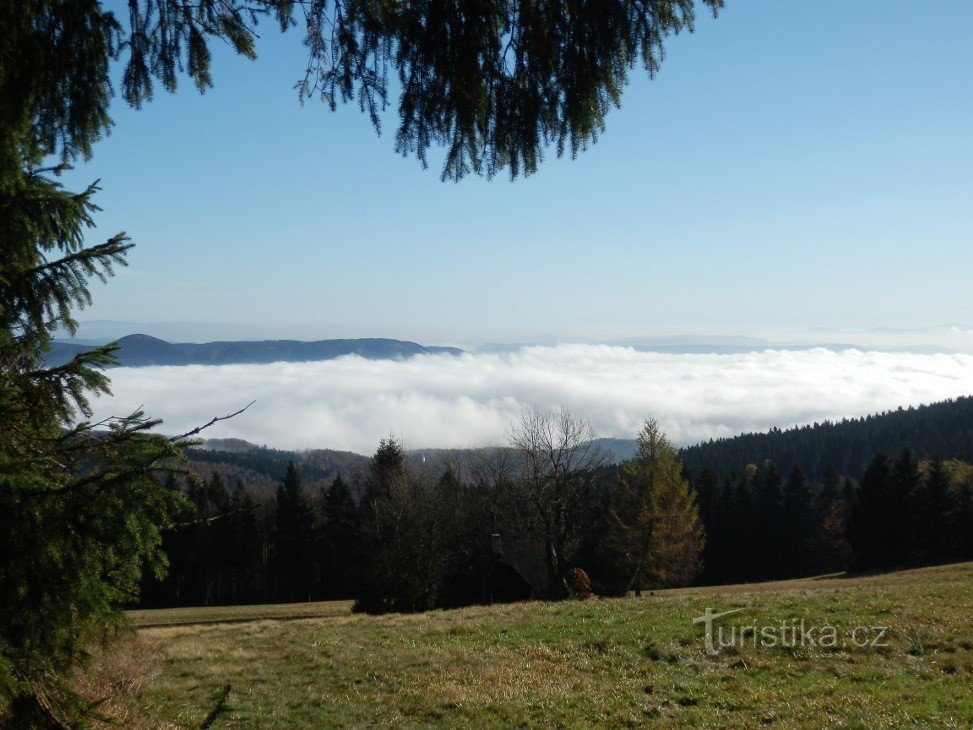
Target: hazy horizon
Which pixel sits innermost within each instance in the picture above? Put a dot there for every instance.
(951, 337)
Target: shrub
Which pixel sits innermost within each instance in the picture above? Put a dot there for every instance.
(579, 584)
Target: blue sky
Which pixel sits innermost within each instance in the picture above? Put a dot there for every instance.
(794, 165)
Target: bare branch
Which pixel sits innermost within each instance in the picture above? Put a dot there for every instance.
(215, 419)
(209, 520)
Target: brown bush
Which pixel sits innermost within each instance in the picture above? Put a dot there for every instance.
(579, 583)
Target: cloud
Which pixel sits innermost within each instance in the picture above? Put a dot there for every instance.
(441, 400)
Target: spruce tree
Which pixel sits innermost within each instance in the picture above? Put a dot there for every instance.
(800, 524)
(849, 492)
(904, 507)
(339, 542)
(80, 507)
(293, 555)
(217, 496)
(873, 514)
(713, 507)
(218, 555)
(389, 513)
(962, 521)
(830, 485)
(741, 532)
(936, 533)
(247, 577)
(832, 551)
(768, 528)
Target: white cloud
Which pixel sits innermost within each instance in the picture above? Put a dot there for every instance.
(440, 400)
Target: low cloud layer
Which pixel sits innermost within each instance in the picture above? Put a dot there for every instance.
(440, 400)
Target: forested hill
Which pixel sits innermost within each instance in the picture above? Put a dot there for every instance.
(260, 468)
(943, 430)
(140, 350)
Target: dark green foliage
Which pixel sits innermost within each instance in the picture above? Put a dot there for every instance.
(879, 525)
(902, 513)
(597, 556)
(800, 524)
(767, 525)
(937, 528)
(247, 579)
(905, 513)
(428, 540)
(961, 520)
(80, 507)
(762, 527)
(830, 547)
(941, 428)
(214, 550)
(906, 505)
(404, 528)
(293, 542)
(340, 542)
(831, 488)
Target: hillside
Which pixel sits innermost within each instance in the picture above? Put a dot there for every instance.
(607, 662)
(943, 430)
(142, 350)
(261, 468)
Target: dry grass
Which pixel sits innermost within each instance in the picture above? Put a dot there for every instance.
(603, 662)
(119, 673)
(234, 614)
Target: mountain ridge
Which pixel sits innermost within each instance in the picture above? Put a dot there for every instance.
(139, 350)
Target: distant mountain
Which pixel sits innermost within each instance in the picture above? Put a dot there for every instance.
(142, 350)
(618, 450)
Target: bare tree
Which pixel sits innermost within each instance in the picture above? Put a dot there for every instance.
(550, 494)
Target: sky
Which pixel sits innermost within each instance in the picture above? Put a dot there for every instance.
(794, 168)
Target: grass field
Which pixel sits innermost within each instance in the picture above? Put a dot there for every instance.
(236, 614)
(602, 662)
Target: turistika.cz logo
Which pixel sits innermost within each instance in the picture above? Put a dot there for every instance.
(792, 633)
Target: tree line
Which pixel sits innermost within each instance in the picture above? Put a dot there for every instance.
(477, 526)
(944, 429)
(491, 525)
(902, 512)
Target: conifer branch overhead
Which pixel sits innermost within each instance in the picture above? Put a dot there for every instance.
(490, 83)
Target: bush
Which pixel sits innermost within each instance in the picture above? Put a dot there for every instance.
(579, 584)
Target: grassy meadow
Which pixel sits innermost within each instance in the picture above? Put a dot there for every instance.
(626, 661)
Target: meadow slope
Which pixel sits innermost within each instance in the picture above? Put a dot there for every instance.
(621, 661)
